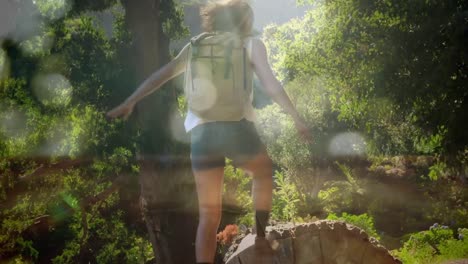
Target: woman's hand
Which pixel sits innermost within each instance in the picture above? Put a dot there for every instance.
(124, 110)
(303, 130)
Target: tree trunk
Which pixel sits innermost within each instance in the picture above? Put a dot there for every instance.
(168, 198)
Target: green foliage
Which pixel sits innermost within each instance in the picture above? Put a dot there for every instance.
(53, 9)
(434, 246)
(432, 143)
(284, 145)
(448, 203)
(386, 72)
(172, 15)
(333, 197)
(122, 244)
(343, 195)
(346, 170)
(438, 171)
(27, 248)
(182, 105)
(393, 72)
(285, 199)
(236, 192)
(112, 240)
(278, 131)
(363, 221)
(55, 87)
(17, 220)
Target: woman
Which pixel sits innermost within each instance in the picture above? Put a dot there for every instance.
(213, 140)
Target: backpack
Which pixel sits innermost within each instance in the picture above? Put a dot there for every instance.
(218, 83)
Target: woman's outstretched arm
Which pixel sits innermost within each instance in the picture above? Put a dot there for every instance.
(273, 88)
(151, 84)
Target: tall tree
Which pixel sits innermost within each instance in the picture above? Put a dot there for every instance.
(390, 70)
(166, 188)
(83, 159)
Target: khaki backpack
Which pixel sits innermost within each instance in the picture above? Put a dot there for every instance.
(218, 83)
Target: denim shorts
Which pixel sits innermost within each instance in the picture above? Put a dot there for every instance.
(212, 142)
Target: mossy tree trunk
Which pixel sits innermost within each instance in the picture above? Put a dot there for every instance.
(167, 189)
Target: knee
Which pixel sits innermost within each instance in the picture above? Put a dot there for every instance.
(261, 167)
(265, 167)
(210, 215)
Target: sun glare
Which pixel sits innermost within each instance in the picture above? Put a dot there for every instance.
(52, 89)
(347, 144)
(13, 123)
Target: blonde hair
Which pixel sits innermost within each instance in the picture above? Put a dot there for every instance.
(228, 15)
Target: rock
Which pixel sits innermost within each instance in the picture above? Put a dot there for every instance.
(325, 242)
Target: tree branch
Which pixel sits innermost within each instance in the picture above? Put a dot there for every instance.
(44, 169)
(85, 204)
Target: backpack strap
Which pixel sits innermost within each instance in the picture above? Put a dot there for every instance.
(248, 43)
(195, 41)
(228, 58)
(244, 59)
(247, 54)
(194, 44)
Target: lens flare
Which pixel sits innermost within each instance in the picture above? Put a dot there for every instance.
(57, 143)
(4, 65)
(53, 147)
(13, 123)
(52, 89)
(347, 144)
(37, 45)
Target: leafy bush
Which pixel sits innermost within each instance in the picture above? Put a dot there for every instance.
(449, 205)
(435, 245)
(113, 242)
(431, 143)
(363, 221)
(285, 199)
(340, 196)
(277, 129)
(278, 132)
(438, 171)
(236, 192)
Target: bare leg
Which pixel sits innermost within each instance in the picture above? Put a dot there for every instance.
(209, 188)
(260, 167)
